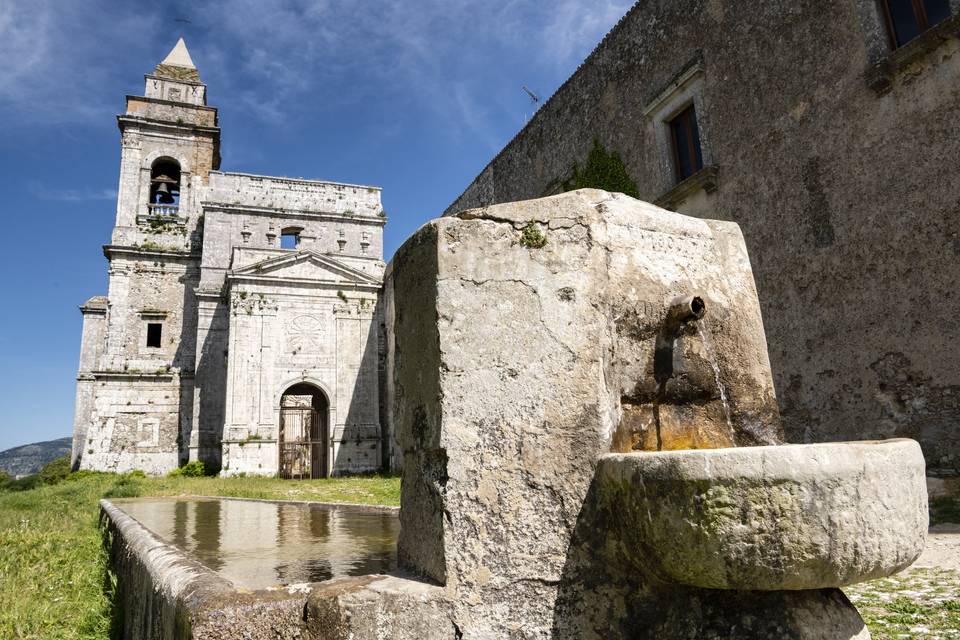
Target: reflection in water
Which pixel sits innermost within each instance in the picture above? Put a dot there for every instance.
(260, 544)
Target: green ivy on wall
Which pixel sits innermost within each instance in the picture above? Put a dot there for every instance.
(602, 170)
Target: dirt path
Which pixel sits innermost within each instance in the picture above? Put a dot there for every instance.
(943, 548)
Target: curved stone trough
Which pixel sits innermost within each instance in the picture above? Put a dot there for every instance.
(770, 518)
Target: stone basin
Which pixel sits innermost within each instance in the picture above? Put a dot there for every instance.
(769, 518)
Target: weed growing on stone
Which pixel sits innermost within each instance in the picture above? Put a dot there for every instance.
(532, 237)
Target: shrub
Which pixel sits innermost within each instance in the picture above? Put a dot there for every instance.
(23, 484)
(193, 469)
(127, 486)
(602, 170)
(55, 471)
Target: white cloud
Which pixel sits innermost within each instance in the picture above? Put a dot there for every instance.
(576, 27)
(44, 192)
(284, 60)
(62, 57)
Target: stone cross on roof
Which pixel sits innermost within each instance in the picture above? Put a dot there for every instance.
(178, 64)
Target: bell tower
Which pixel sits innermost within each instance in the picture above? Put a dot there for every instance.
(136, 382)
(170, 141)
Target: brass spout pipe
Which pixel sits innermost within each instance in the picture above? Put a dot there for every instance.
(681, 311)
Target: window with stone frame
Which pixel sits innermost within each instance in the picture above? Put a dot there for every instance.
(679, 121)
(907, 19)
(685, 139)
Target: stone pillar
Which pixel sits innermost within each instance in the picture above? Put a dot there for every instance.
(91, 349)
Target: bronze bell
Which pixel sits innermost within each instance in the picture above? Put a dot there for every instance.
(163, 194)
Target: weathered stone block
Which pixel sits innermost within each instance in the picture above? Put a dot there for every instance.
(514, 366)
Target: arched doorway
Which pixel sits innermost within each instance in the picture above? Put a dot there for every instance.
(303, 433)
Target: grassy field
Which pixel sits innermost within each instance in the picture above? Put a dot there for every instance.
(53, 578)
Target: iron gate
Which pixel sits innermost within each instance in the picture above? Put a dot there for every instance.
(303, 450)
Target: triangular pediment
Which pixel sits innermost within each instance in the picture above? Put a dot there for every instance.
(305, 266)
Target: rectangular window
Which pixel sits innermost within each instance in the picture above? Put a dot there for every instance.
(154, 333)
(687, 155)
(907, 19)
(290, 238)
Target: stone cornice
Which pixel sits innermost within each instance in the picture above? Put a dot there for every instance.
(112, 250)
(166, 376)
(209, 294)
(154, 76)
(223, 207)
(125, 120)
(172, 103)
(288, 180)
(96, 304)
(303, 282)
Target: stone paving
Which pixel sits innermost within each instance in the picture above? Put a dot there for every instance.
(921, 602)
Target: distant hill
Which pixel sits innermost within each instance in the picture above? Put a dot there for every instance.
(29, 458)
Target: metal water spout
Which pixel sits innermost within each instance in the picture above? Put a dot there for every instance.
(681, 312)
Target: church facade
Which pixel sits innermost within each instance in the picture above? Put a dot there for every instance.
(242, 326)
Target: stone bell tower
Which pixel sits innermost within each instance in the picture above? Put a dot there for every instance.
(136, 378)
(170, 143)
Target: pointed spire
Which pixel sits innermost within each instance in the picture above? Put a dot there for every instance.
(178, 65)
(179, 56)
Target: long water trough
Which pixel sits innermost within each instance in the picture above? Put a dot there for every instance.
(241, 567)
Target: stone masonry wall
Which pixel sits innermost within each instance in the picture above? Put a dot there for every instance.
(833, 155)
(283, 335)
(247, 357)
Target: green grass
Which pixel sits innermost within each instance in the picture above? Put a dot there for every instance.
(915, 604)
(53, 569)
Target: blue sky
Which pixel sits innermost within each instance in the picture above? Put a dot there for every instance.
(415, 97)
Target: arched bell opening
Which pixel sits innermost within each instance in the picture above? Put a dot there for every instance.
(304, 435)
(165, 187)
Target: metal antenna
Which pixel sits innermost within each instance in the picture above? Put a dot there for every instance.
(534, 98)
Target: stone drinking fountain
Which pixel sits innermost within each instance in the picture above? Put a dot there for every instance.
(591, 447)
